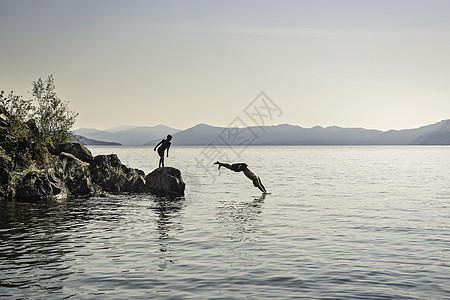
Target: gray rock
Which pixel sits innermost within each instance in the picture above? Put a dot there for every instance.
(42, 185)
(165, 181)
(108, 172)
(136, 181)
(77, 177)
(77, 150)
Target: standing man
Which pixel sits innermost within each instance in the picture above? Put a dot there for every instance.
(165, 144)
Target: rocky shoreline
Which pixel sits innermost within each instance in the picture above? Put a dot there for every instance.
(32, 172)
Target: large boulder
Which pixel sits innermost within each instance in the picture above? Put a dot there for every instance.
(136, 183)
(108, 172)
(165, 181)
(77, 150)
(41, 185)
(77, 177)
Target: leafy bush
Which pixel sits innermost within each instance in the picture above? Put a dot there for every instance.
(53, 116)
(21, 109)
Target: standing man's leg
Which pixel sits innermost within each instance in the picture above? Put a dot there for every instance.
(161, 155)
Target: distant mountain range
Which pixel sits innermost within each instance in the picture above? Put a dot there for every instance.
(126, 135)
(203, 134)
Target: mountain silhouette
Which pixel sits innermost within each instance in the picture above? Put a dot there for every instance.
(127, 135)
(283, 134)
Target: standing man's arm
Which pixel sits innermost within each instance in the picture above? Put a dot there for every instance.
(157, 146)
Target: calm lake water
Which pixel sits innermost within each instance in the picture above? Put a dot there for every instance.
(340, 223)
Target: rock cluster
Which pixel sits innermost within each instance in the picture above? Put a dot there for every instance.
(29, 171)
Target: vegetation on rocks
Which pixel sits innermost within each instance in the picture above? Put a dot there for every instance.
(52, 115)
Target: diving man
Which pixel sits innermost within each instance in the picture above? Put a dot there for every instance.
(243, 167)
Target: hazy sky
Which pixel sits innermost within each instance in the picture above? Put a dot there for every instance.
(378, 64)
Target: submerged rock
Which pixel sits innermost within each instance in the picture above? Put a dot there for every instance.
(165, 181)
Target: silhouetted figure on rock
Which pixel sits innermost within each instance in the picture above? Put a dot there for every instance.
(242, 167)
(163, 145)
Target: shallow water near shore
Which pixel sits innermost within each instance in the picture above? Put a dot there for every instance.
(340, 223)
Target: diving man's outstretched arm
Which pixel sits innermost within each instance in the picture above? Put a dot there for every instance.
(228, 166)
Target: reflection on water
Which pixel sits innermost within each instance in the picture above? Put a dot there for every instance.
(241, 228)
(166, 211)
(240, 219)
(336, 226)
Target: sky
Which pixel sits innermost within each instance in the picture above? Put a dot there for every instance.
(376, 64)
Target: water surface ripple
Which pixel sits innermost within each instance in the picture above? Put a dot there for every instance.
(341, 223)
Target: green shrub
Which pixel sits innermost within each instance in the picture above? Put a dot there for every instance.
(53, 116)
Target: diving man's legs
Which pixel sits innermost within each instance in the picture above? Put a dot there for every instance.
(256, 180)
(261, 186)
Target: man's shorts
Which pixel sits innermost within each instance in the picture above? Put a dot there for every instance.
(239, 167)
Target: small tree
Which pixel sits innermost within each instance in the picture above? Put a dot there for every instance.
(19, 110)
(17, 107)
(52, 114)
